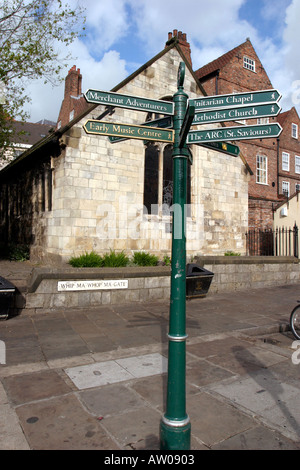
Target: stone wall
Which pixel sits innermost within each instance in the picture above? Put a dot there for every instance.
(149, 283)
(238, 273)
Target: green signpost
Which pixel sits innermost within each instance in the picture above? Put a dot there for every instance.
(175, 429)
(175, 426)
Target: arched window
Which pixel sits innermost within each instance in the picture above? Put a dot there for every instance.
(158, 179)
(167, 187)
(151, 177)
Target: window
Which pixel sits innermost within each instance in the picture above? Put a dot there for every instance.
(286, 188)
(261, 169)
(297, 187)
(294, 131)
(71, 117)
(285, 161)
(158, 185)
(263, 120)
(151, 177)
(249, 64)
(297, 164)
(167, 189)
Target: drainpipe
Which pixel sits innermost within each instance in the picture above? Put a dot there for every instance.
(278, 163)
(217, 82)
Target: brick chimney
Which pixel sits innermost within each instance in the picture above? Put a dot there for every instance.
(74, 102)
(180, 38)
(73, 83)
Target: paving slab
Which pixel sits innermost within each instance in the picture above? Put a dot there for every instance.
(258, 438)
(62, 424)
(110, 400)
(11, 435)
(135, 430)
(103, 373)
(267, 396)
(34, 386)
(214, 421)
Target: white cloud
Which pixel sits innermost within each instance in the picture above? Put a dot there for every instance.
(292, 36)
(212, 29)
(106, 23)
(103, 74)
(207, 23)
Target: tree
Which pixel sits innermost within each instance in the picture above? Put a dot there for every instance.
(31, 32)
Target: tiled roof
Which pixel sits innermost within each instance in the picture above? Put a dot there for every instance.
(217, 63)
(33, 132)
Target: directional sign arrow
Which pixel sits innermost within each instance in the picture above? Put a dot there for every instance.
(129, 102)
(236, 114)
(224, 147)
(165, 123)
(185, 127)
(128, 130)
(234, 100)
(263, 131)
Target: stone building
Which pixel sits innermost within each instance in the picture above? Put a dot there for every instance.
(75, 192)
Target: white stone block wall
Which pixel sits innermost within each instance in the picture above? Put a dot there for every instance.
(98, 186)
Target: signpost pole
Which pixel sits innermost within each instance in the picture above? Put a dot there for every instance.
(175, 429)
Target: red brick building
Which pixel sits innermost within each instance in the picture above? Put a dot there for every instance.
(289, 153)
(240, 70)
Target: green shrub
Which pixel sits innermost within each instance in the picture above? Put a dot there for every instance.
(115, 260)
(144, 259)
(17, 252)
(88, 260)
(167, 260)
(231, 253)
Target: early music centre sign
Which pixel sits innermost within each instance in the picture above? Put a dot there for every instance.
(63, 286)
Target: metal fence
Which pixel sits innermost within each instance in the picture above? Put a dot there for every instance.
(268, 242)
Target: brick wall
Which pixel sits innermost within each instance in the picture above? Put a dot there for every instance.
(73, 103)
(291, 145)
(228, 75)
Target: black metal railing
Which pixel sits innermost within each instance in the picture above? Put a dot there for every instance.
(273, 242)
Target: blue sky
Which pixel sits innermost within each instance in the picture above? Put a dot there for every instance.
(122, 35)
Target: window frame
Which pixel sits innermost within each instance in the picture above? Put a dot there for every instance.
(261, 171)
(285, 163)
(249, 64)
(294, 130)
(287, 183)
(297, 164)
